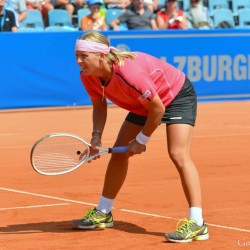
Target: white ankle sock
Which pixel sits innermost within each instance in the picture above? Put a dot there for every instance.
(105, 205)
(195, 213)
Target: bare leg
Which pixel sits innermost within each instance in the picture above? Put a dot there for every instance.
(118, 165)
(179, 140)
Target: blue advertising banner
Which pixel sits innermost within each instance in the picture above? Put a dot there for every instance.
(217, 62)
(39, 69)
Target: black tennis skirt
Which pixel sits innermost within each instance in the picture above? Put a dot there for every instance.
(182, 110)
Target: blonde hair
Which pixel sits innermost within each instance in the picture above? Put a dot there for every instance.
(114, 56)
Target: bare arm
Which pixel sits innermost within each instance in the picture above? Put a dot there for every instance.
(22, 16)
(115, 24)
(156, 110)
(99, 114)
(183, 23)
(161, 23)
(99, 117)
(154, 24)
(62, 2)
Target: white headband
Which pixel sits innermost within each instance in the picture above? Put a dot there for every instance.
(89, 46)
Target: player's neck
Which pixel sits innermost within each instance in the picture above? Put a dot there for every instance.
(106, 74)
(105, 80)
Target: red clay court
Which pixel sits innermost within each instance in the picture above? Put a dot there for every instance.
(37, 211)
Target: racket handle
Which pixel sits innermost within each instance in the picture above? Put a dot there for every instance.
(123, 149)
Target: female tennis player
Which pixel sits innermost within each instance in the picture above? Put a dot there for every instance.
(153, 92)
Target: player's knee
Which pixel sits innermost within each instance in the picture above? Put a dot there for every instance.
(178, 157)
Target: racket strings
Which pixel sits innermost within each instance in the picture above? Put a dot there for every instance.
(59, 154)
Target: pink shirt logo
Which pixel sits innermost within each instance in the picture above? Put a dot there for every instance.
(145, 95)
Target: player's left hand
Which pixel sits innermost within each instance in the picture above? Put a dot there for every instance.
(135, 147)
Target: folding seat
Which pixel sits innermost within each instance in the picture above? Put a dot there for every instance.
(239, 4)
(34, 20)
(217, 4)
(220, 15)
(244, 18)
(59, 17)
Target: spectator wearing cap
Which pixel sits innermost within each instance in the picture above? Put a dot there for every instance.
(137, 17)
(171, 17)
(94, 21)
(7, 18)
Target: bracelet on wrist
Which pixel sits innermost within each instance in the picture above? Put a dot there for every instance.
(96, 136)
(96, 132)
(142, 139)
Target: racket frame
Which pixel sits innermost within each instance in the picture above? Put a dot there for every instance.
(102, 151)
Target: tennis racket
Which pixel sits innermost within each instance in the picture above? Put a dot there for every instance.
(61, 153)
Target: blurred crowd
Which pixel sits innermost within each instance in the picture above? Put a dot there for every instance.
(132, 14)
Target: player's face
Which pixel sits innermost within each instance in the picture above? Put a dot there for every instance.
(88, 62)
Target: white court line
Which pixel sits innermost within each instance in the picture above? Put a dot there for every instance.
(15, 147)
(211, 136)
(47, 196)
(123, 210)
(37, 206)
(171, 218)
(7, 134)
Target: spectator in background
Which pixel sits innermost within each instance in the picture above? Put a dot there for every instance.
(94, 21)
(64, 4)
(198, 16)
(44, 6)
(137, 17)
(7, 18)
(20, 9)
(120, 4)
(171, 17)
(152, 5)
(78, 4)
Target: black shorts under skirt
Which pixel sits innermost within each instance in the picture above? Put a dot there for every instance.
(182, 110)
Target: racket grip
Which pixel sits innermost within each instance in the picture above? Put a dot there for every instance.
(123, 149)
